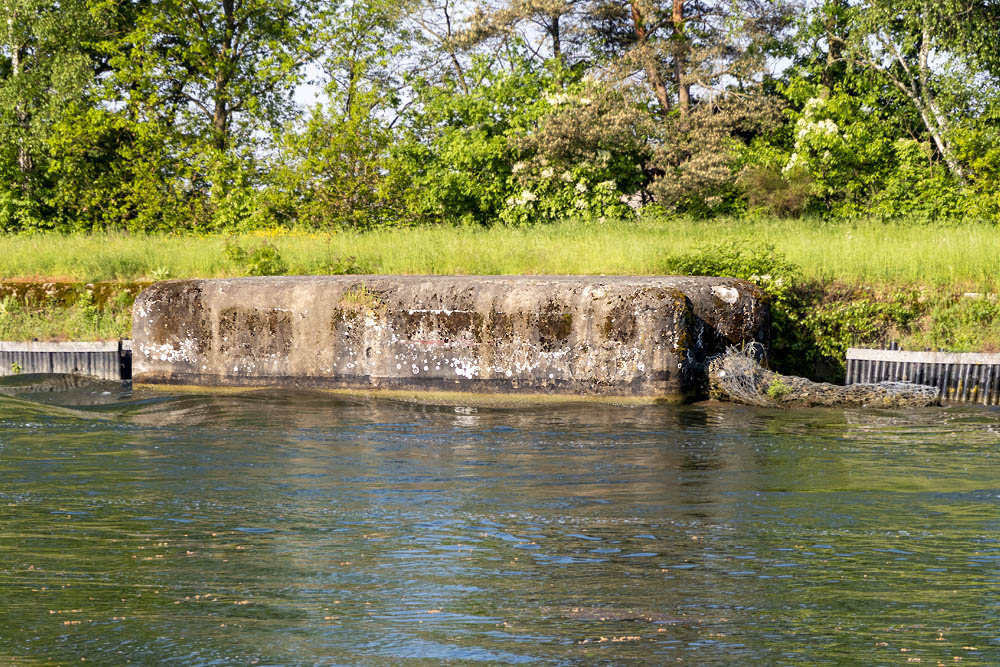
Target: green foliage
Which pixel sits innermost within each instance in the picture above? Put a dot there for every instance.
(361, 298)
(81, 320)
(16, 368)
(159, 273)
(840, 319)
(46, 67)
(965, 323)
(262, 260)
(457, 153)
(344, 265)
(178, 117)
(778, 389)
(335, 172)
(87, 309)
(783, 194)
(758, 262)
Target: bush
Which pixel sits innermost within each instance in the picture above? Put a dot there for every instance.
(264, 260)
(784, 195)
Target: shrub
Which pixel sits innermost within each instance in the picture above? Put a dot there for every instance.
(264, 260)
(785, 195)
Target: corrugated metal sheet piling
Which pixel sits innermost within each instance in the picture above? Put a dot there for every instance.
(961, 377)
(105, 360)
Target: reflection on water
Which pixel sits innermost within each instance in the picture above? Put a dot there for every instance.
(282, 528)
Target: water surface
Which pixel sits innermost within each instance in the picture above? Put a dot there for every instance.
(304, 528)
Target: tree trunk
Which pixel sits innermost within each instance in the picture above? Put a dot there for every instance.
(554, 32)
(459, 71)
(24, 161)
(929, 112)
(220, 118)
(834, 46)
(649, 63)
(680, 57)
(222, 111)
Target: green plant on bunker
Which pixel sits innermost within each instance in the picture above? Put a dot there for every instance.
(778, 389)
(359, 297)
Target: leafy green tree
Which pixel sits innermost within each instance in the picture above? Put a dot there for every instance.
(192, 93)
(333, 165)
(927, 51)
(218, 71)
(335, 171)
(456, 149)
(46, 66)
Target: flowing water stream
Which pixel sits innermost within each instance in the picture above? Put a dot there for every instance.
(306, 528)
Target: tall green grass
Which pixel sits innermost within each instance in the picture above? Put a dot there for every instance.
(966, 256)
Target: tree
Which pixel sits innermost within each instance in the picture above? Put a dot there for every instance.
(332, 165)
(926, 51)
(688, 45)
(455, 148)
(216, 71)
(46, 66)
(547, 28)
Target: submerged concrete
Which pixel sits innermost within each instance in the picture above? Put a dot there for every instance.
(614, 336)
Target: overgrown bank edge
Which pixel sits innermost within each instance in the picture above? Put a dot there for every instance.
(814, 321)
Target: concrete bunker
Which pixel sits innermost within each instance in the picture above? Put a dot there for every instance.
(613, 336)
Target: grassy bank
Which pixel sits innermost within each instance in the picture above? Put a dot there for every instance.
(868, 253)
(81, 321)
(831, 284)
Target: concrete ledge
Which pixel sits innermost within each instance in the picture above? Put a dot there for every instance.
(615, 336)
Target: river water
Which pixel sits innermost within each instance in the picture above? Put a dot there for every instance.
(305, 528)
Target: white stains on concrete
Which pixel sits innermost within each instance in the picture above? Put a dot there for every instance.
(726, 294)
(185, 350)
(466, 367)
(435, 311)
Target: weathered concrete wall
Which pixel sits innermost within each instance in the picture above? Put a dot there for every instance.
(573, 334)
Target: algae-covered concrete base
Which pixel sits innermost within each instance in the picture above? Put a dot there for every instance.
(616, 336)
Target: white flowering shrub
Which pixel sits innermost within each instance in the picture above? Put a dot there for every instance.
(819, 147)
(840, 153)
(551, 194)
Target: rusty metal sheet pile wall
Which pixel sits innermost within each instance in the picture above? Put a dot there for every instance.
(104, 360)
(962, 377)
